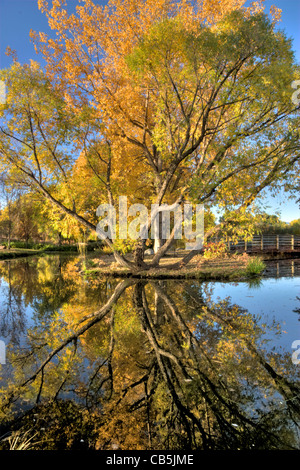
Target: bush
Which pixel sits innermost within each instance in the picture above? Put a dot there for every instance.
(215, 250)
(124, 246)
(255, 266)
(65, 248)
(41, 246)
(106, 250)
(19, 244)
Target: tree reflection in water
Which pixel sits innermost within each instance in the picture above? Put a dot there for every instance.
(12, 310)
(157, 366)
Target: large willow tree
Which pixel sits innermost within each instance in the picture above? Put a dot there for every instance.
(167, 102)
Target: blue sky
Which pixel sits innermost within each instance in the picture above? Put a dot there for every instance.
(17, 17)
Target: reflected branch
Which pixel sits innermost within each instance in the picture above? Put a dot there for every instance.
(90, 321)
(153, 357)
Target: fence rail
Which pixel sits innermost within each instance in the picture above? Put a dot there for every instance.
(267, 243)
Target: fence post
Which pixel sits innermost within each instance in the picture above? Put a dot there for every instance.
(292, 242)
(277, 242)
(262, 243)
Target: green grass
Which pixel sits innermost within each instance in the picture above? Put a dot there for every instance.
(40, 246)
(21, 248)
(255, 266)
(19, 252)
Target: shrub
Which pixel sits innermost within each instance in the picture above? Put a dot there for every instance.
(106, 250)
(215, 250)
(65, 248)
(255, 266)
(124, 246)
(19, 244)
(41, 246)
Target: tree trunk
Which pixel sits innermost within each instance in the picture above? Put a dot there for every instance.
(9, 236)
(139, 254)
(9, 227)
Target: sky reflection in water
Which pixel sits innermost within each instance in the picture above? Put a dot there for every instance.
(179, 364)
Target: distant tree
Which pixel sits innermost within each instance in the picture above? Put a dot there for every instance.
(9, 192)
(271, 223)
(295, 226)
(26, 214)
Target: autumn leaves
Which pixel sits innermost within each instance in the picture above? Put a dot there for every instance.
(158, 102)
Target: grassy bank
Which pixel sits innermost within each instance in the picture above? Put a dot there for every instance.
(25, 252)
(17, 253)
(20, 249)
(231, 268)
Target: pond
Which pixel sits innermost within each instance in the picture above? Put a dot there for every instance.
(106, 364)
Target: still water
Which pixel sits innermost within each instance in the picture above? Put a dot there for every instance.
(97, 363)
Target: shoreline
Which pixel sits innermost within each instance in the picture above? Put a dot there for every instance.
(25, 253)
(5, 255)
(226, 269)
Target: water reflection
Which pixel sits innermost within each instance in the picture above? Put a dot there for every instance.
(12, 309)
(283, 267)
(145, 365)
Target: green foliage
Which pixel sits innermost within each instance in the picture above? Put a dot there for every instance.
(124, 246)
(60, 248)
(295, 227)
(42, 246)
(19, 244)
(272, 224)
(255, 266)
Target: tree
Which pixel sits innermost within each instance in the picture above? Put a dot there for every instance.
(9, 193)
(200, 96)
(295, 226)
(272, 224)
(40, 139)
(26, 218)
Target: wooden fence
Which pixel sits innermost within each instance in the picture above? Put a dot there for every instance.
(267, 243)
